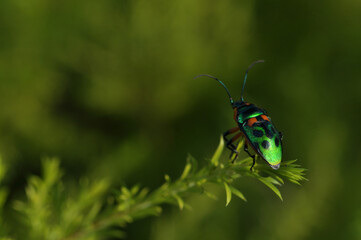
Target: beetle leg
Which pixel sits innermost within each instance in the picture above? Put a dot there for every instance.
(230, 145)
(252, 156)
(230, 131)
(234, 148)
(281, 135)
(229, 142)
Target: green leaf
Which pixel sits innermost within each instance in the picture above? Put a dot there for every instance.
(51, 171)
(228, 193)
(186, 170)
(236, 192)
(271, 186)
(289, 162)
(125, 191)
(135, 189)
(150, 211)
(167, 178)
(273, 181)
(210, 195)
(193, 162)
(218, 152)
(239, 147)
(143, 193)
(93, 212)
(180, 201)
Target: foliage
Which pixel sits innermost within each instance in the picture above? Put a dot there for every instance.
(3, 195)
(99, 80)
(53, 210)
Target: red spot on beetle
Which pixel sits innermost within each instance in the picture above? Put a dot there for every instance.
(251, 121)
(265, 118)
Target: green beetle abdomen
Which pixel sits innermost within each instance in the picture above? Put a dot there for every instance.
(265, 140)
(260, 133)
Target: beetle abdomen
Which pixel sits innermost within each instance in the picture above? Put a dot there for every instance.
(260, 133)
(265, 140)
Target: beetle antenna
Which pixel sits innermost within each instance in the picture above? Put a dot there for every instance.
(229, 95)
(245, 76)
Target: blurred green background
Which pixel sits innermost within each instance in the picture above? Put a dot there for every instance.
(107, 86)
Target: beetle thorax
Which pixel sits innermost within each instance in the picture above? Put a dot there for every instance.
(244, 111)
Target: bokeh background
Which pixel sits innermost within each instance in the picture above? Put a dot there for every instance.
(107, 86)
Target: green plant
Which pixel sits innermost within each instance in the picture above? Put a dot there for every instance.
(3, 195)
(53, 211)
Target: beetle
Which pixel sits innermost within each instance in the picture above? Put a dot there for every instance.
(255, 125)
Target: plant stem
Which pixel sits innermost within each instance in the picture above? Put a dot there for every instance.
(160, 196)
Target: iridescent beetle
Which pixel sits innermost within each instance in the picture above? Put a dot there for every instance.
(257, 128)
